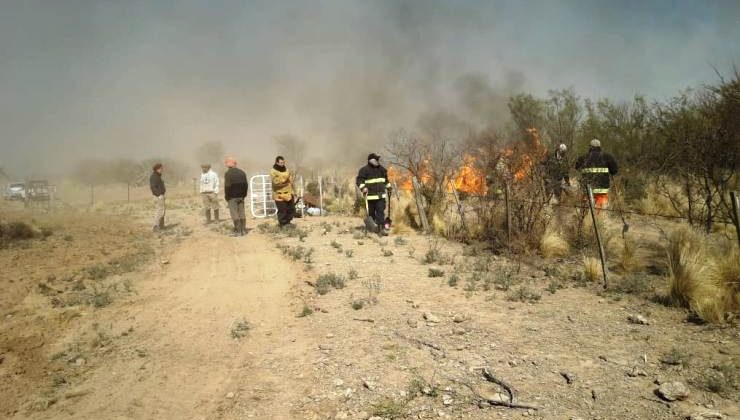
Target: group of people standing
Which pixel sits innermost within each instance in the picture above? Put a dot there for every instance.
(596, 167)
(235, 190)
(372, 180)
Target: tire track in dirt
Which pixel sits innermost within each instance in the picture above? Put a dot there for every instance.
(182, 361)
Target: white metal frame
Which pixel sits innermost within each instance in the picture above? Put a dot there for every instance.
(261, 203)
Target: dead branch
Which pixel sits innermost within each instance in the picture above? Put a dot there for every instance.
(363, 319)
(420, 343)
(512, 403)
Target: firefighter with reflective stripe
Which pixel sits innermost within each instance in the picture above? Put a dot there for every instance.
(596, 169)
(372, 180)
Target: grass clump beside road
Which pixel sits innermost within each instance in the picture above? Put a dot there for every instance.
(326, 282)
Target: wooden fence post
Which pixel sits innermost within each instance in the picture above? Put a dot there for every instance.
(736, 212)
(598, 237)
(508, 216)
(321, 198)
(420, 204)
(460, 211)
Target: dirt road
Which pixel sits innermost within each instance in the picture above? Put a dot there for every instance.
(389, 338)
(183, 361)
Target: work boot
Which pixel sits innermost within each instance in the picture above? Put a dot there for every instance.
(215, 216)
(208, 217)
(235, 232)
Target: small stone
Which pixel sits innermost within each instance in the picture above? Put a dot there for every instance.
(458, 318)
(330, 335)
(569, 377)
(672, 391)
(495, 397)
(80, 361)
(230, 396)
(635, 372)
(412, 323)
(513, 363)
(638, 319)
(338, 382)
(369, 385)
(447, 400)
(429, 317)
(707, 415)
(363, 415)
(341, 415)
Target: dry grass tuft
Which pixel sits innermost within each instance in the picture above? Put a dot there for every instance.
(706, 284)
(690, 275)
(553, 244)
(591, 268)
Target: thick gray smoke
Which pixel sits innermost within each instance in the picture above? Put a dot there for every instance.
(145, 79)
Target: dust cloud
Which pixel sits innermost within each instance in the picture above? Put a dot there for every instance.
(93, 79)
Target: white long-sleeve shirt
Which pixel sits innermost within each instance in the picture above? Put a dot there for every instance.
(209, 182)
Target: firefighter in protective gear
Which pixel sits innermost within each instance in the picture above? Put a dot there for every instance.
(596, 169)
(282, 191)
(557, 172)
(372, 180)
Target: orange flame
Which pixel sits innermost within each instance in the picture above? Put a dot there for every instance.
(469, 179)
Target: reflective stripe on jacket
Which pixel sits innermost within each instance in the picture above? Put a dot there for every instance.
(596, 170)
(375, 179)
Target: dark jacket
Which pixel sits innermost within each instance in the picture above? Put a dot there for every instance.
(596, 169)
(556, 167)
(375, 178)
(235, 184)
(156, 184)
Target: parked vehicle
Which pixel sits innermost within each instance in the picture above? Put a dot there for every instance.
(15, 191)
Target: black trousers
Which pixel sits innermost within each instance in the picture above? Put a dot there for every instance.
(376, 208)
(285, 211)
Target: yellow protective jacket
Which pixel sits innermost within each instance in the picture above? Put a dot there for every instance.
(282, 185)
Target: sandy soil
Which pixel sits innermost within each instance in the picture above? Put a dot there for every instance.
(162, 343)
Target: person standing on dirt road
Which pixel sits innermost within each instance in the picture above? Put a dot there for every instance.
(372, 180)
(235, 190)
(282, 191)
(209, 191)
(597, 168)
(158, 190)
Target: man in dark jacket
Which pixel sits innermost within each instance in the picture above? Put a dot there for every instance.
(372, 180)
(597, 168)
(235, 190)
(158, 190)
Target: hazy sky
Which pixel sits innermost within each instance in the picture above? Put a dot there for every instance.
(157, 78)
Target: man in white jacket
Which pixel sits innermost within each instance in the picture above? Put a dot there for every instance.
(209, 191)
